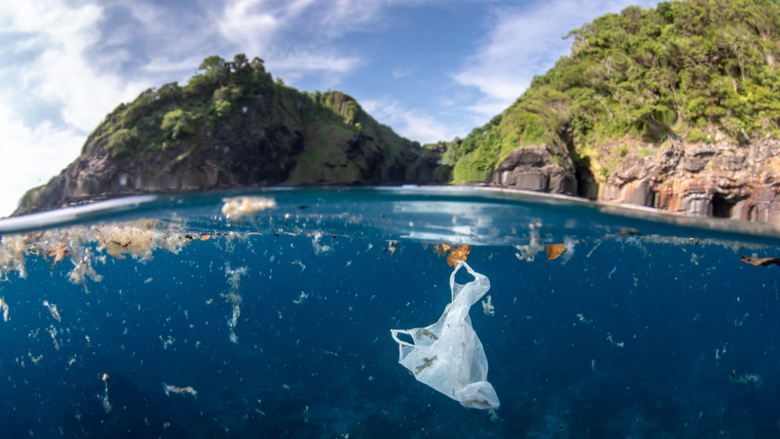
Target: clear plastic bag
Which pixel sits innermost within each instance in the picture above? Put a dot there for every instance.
(448, 355)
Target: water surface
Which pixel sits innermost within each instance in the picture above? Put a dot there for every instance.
(179, 317)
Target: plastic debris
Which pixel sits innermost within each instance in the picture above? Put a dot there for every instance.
(234, 297)
(52, 310)
(448, 355)
(4, 307)
(238, 207)
(487, 307)
(106, 404)
(745, 378)
(168, 389)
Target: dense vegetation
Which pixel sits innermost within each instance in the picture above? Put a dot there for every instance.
(698, 70)
(180, 120)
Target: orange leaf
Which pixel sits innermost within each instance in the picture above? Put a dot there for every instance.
(458, 254)
(441, 249)
(760, 261)
(554, 250)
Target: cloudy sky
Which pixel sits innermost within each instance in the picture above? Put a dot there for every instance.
(432, 70)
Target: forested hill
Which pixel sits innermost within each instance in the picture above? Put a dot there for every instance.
(699, 71)
(231, 126)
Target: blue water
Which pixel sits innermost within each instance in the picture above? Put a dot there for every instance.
(628, 338)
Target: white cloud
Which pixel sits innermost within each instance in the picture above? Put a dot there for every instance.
(403, 72)
(31, 156)
(271, 30)
(523, 43)
(412, 123)
(56, 96)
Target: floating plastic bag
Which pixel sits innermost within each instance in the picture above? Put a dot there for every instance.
(448, 355)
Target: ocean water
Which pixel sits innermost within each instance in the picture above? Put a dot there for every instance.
(188, 317)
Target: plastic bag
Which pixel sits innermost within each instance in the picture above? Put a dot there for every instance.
(448, 355)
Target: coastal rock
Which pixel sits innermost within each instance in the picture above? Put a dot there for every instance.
(721, 180)
(535, 169)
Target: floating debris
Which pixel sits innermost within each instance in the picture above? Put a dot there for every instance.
(319, 248)
(459, 254)
(487, 307)
(609, 276)
(53, 310)
(593, 249)
(582, 318)
(528, 252)
(238, 207)
(745, 378)
(59, 252)
(4, 307)
(616, 344)
(760, 261)
(554, 251)
(391, 245)
(301, 298)
(106, 404)
(234, 297)
(168, 389)
(53, 332)
(167, 342)
(298, 262)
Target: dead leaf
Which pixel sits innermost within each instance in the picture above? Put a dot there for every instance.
(760, 261)
(554, 250)
(442, 249)
(59, 252)
(458, 254)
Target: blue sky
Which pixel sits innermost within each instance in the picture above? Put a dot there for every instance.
(431, 70)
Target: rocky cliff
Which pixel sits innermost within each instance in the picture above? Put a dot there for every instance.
(711, 179)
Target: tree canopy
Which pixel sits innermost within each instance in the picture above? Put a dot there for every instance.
(691, 71)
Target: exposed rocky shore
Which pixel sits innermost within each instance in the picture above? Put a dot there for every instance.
(720, 179)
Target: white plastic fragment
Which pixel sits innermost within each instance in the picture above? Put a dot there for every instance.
(448, 355)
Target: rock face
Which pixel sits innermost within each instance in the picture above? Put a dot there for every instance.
(720, 179)
(535, 169)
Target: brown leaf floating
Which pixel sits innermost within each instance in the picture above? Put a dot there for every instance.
(458, 254)
(760, 261)
(58, 252)
(554, 250)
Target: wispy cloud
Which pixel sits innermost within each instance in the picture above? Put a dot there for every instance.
(524, 42)
(403, 72)
(412, 123)
(54, 94)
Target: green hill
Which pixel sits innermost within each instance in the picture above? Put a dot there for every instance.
(234, 126)
(693, 71)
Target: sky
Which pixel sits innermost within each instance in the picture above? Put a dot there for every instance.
(432, 70)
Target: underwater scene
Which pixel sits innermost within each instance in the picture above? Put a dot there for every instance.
(386, 313)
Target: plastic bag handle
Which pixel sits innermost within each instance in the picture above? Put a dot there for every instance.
(395, 332)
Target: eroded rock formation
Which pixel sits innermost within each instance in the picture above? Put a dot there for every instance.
(719, 179)
(535, 169)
